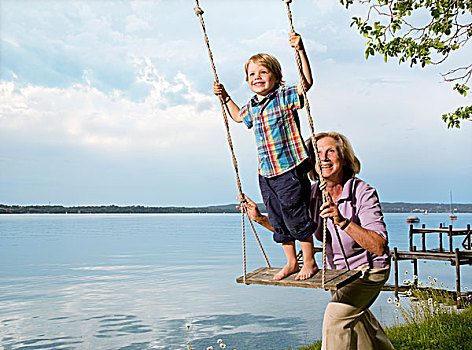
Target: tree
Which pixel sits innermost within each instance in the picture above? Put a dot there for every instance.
(420, 32)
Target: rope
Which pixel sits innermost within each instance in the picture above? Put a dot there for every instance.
(322, 182)
(199, 12)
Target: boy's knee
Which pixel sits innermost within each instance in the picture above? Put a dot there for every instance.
(281, 235)
(301, 230)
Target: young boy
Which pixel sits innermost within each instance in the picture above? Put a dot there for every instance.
(283, 164)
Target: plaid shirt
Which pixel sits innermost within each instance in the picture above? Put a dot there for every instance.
(276, 128)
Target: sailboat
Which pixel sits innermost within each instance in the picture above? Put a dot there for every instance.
(452, 216)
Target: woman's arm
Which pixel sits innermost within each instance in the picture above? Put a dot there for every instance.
(367, 239)
(254, 214)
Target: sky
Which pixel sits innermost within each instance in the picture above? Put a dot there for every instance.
(110, 102)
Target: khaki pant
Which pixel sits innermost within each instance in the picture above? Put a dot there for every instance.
(348, 323)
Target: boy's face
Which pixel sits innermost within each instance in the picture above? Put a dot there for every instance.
(260, 79)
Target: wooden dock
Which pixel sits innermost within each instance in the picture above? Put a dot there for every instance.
(454, 256)
(335, 279)
(449, 231)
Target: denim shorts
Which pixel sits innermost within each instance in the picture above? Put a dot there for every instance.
(287, 199)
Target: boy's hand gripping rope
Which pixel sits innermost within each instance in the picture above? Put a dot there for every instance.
(199, 12)
(322, 183)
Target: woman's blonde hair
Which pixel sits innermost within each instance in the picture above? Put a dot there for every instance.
(351, 166)
(268, 61)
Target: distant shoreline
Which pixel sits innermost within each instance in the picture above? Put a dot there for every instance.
(387, 207)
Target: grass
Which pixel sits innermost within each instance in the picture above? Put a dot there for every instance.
(441, 332)
(428, 319)
(431, 319)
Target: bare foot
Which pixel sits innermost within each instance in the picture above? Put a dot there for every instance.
(286, 271)
(306, 272)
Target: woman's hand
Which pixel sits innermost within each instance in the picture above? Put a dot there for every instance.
(254, 213)
(330, 210)
(251, 208)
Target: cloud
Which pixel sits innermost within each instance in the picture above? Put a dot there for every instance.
(172, 114)
(135, 24)
(115, 97)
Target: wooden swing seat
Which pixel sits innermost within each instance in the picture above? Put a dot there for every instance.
(335, 279)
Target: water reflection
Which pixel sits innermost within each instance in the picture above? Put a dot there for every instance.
(62, 343)
(248, 331)
(135, 282)
(119, 325)
(241, 331)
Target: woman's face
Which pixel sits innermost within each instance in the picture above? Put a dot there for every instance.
(331, 162)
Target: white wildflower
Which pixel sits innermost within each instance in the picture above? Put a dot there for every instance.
(219, 341)
(223, 346)
(429, 277)
(210, 348)
(389, 300)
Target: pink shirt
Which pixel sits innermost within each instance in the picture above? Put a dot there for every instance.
(360, 204)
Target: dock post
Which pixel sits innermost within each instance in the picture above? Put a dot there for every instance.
(423, 238)
(450, 239)
(395, 261)
(411, 237)
(415, 268)
(440, 242)
(458, 279)
(468, 236)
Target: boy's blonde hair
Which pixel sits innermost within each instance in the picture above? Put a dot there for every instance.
(268, 61)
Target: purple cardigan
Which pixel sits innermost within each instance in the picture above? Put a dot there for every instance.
(360, 204)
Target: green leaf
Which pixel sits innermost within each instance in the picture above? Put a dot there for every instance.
(418, 32)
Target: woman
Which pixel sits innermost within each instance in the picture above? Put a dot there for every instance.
(354, 208)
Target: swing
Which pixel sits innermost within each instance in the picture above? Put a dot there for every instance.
(329, 279)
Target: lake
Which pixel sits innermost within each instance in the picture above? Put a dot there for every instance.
(139, 281)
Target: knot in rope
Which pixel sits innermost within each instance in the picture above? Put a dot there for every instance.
(322, 185)
(198, 10)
